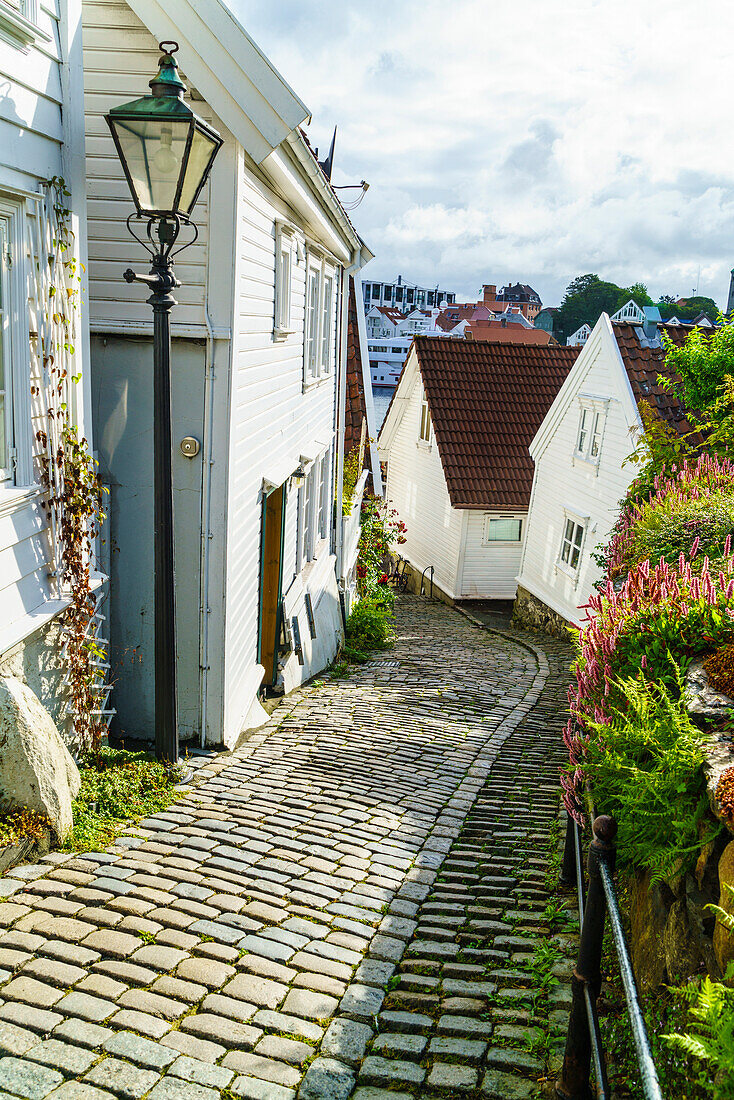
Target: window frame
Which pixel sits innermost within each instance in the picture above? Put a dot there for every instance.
(285, 241)
(590, 430)
(318, 347)
(494, 517)
(576, 522)
(16, 347)
(19, 24)
(425, 421)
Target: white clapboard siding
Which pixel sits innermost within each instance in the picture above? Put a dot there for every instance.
(489, 569)
(120, 59)
(273, 421)
(416, 486)
(31, 152)
(562, 482)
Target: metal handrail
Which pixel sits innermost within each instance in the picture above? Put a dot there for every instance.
(423, 578)
(583, 1040)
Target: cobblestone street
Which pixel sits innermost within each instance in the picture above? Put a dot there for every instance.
(344, 906)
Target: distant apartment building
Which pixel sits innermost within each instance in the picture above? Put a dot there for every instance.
(516, 295)
(404, 296)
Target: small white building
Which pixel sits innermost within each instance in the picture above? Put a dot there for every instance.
(42, 143)
(579, 453)
(259, 345)
(455, 442)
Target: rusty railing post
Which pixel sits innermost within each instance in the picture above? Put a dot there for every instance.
(574, 1081)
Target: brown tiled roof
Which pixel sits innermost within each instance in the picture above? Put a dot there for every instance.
(644, 364)
(487, 401)
(356, 409)
(515, 334)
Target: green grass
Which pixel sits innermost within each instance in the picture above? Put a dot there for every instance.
(118, 788)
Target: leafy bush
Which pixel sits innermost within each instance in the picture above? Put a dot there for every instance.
(380, 530)
(369, 625)
(352, 470)
(702, 364)
(710, 1038)
(645, 763)
(118, 787)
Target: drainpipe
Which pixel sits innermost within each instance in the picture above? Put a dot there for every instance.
(347, 272)
(206, 532)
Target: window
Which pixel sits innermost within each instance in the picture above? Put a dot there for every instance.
(318, 337)
(591, 428)
(312, 323)
(503, 529)
(573, 537)
(283, 272)
(6, 403)
(375, 290)
(425, 429)
(398, 294)
(306, 502)
(323, 525)
(327, 322)
(18, 23)
(409, 295)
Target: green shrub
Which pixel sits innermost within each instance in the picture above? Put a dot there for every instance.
(370, 626)
(118, 787)
(664, 528)
(710, 1035)
(645, 763)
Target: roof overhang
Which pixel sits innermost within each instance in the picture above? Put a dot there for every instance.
(227, 68)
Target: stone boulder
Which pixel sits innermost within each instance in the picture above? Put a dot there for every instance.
(705, 705)
(36, 768)
(723, 938)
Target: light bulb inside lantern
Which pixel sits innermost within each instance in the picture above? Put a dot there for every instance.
(164, 157)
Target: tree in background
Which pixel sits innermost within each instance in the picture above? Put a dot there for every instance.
(669, 308)
(588, 296)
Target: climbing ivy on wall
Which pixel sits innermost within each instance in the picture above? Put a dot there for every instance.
(74, 500)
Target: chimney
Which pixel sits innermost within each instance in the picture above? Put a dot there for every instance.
(490, 292)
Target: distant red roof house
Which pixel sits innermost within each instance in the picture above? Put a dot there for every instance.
(498, 329)
(487, 400)
(644, 364)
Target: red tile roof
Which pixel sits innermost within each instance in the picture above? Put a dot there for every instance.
(644, 364)
(487, 401)
(509, 333)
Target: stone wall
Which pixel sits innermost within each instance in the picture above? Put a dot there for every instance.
(530, 613)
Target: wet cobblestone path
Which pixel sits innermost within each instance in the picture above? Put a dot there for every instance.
(347, 905)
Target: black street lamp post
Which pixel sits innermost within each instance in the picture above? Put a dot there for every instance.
(167, 153)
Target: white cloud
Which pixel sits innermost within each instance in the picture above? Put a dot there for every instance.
(533, 143)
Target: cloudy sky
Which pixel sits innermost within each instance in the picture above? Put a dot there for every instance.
(532, 141)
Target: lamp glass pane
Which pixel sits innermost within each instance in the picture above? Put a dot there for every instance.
(153, 151)
(202, 149)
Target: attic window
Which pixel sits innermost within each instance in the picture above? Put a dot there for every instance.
(425, 429)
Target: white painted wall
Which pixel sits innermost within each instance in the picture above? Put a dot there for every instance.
(120, 59)
(489, 569)
(274, 421)
(563, 482)
(40, 137)
(416, 486)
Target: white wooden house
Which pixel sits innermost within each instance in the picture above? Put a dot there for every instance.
(258, 351)
(41, 140)
(580, 476)
(455, 440)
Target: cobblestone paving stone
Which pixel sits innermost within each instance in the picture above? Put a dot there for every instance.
(242, 943)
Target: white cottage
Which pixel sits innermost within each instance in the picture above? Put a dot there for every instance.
(42, 143)
(580, 475)
(258, 349)
(455, 440)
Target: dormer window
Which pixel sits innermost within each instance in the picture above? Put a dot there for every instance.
(590, 431)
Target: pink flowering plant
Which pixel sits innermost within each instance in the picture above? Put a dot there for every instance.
(629, 733)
